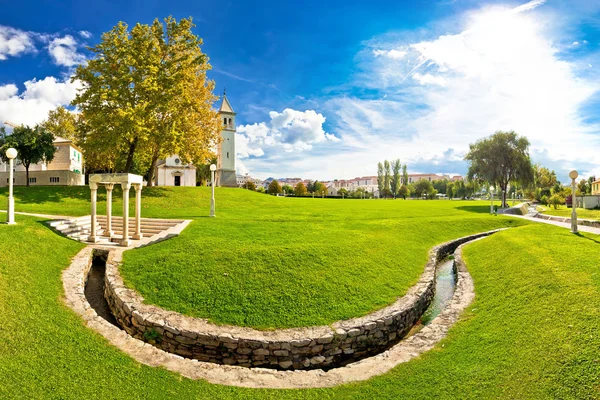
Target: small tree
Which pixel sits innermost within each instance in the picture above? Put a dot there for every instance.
(403, 192)
(274, 188)
(287, 189)
(320, 189)
(556, 200)
(343, 192)
(423, 187)
(395, 182)
(33, 146)
(501, 159)
(300, 189)
(250, 185)
(450, 190)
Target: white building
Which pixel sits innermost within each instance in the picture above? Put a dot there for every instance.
(226, 175)
(65, 169)
(173, 172)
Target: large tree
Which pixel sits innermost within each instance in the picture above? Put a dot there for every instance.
(405, 175)
(380, 179)
(395, 182)
(386, 177)
(33, 145)
(64, 123)
(145, 96)
(501, 159)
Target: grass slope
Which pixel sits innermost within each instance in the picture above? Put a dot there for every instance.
(532, 331)
(563, 211)
(299, 262)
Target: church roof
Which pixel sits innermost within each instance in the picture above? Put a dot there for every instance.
(225, 106)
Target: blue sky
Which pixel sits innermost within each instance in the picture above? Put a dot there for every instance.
(326, 89)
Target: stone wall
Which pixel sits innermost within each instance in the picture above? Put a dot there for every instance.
(300, 348)
(584, 222)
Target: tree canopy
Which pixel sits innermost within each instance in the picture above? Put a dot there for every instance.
(500, 159)
(274, 188)
(63, 123)
(146, 96)
(33, 145)
(300, 189)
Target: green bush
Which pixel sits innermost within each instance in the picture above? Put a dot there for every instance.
(556, 200)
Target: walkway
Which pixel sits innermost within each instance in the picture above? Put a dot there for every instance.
(532, 211)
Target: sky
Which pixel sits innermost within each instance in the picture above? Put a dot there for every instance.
(326, 89)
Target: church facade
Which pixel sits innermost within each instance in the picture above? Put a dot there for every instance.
(173, 172)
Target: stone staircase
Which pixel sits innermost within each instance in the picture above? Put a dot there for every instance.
(80, 228)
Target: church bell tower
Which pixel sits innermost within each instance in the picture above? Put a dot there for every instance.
(225, 175)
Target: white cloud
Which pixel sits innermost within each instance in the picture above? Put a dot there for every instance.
(8, 91)
(290, 131)
(64, 51)
(429, 79)
(527, 6)
(393, 54)
(14, 42)
(85, 34)
(39, 97)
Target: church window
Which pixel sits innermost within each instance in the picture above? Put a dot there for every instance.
(227, 154)
(230, 122)
(224, 121)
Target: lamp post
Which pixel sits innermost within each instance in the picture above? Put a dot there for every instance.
(491, 201)
(573, 175)
(10, 214)
(213, 168)
(246, 181)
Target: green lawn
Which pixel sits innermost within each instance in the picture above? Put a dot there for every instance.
(285, 262)
(532, 331)
(563, 211)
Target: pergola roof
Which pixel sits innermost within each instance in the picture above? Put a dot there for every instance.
(116, 178)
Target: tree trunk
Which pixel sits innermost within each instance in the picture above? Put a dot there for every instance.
(129, 163)
(26, 173)
(152, 169)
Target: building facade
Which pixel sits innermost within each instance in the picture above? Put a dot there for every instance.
(226, 175)
(596, 187)
(65, 169)
(173, 172)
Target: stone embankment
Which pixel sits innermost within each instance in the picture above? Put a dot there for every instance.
(289, 349)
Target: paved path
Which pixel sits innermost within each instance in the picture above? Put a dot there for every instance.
(581, 228)
(48, 216)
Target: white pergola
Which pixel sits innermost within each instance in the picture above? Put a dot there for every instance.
(109, 181)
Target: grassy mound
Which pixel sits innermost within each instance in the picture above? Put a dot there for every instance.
(286, 262)
(532, 331)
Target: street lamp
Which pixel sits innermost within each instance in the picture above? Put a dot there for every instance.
(10, 215)
(491, 201)
(213, 168)
(246, 181)
(573, 175)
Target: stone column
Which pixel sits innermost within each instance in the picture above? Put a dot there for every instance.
(138, 211)
(125, 242)
(94, 228)
(109, 189)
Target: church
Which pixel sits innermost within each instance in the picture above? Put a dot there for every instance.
(173, 172)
